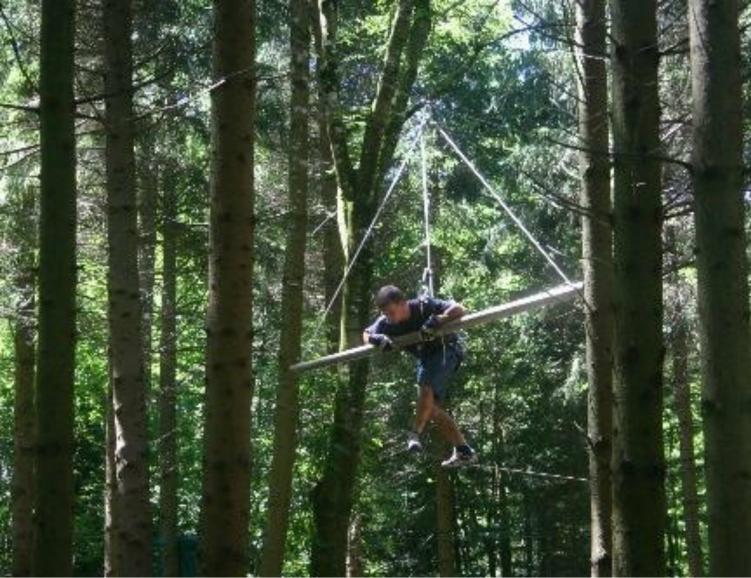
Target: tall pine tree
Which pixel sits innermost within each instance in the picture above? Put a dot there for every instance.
(53, 493)
(23, 230)
(597, 260)
(225, 497)
(287, 410)
(333, 495)
(133, 511)
(722, 269)
(639, 510)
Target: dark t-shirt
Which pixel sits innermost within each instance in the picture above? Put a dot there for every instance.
(419, 312)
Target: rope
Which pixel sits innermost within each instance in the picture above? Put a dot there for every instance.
(329, 216)
(528, 472)
(427, 276)
(427, 280)
(505, 207)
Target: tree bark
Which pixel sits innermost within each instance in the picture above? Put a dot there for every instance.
(333, 494)
(333, 254)
(226, 478)
(444, 504)
(355, 562)
(597, 260)
(147, 200)
(445, 519)
(53, 494)
(672, 545)
(168, 464)
(23, 437)
(445, 497)
(639, 509)
(682, 407)
(722, 269)
(133, 523)
(503, 518)
(545, 536)
(287, 406)
(110, 481)
(22, 483)
(505, 536)
(529, 537)
(418, 37)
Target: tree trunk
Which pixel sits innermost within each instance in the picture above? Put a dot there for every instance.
(444, 486)
(22, 499)
(133, 513)
(110, 481)
(545, 536)
(146, 257)
(639, 510)
(287, 411)
(226, 476)
(682, 406)
(492, 522)
(503, 517)
(529, 538)
(722, 280)
(333, 495)
(505, 537)
(672, 543)
(333, 255)
(597, 259)
(355, 562)
(53, 508)
(23, 437)
(444, 505)
(168, 465)
(445, 518)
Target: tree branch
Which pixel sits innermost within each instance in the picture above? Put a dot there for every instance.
(324, 22)
(614, 154)
(399, 115)
(21, 107)
(384, 99)
(30, 85)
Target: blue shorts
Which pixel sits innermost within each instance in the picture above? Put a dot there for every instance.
(438, 368)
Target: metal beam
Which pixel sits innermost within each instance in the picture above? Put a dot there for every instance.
(559, 294)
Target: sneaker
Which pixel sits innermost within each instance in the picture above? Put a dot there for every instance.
(460, 458)
(413, 443)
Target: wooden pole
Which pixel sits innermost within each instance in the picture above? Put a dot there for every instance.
(559, 294)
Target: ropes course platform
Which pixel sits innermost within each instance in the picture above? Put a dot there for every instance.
(560, 294)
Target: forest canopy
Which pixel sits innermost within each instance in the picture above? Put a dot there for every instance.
(197, 195)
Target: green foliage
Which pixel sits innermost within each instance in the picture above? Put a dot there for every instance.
(508, 98)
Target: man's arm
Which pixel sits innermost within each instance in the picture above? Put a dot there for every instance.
(455, 311)
(372, 329)
(374, 336)
(443, 313)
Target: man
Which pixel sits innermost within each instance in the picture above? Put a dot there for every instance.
(438, 358)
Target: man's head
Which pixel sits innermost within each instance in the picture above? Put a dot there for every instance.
(392, 303)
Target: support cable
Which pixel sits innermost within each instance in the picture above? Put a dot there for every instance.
(368, 231)
(504, 206)
(427, 275)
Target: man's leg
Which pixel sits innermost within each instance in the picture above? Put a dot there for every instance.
(425, 408)
(462, 454)
(447, 426)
